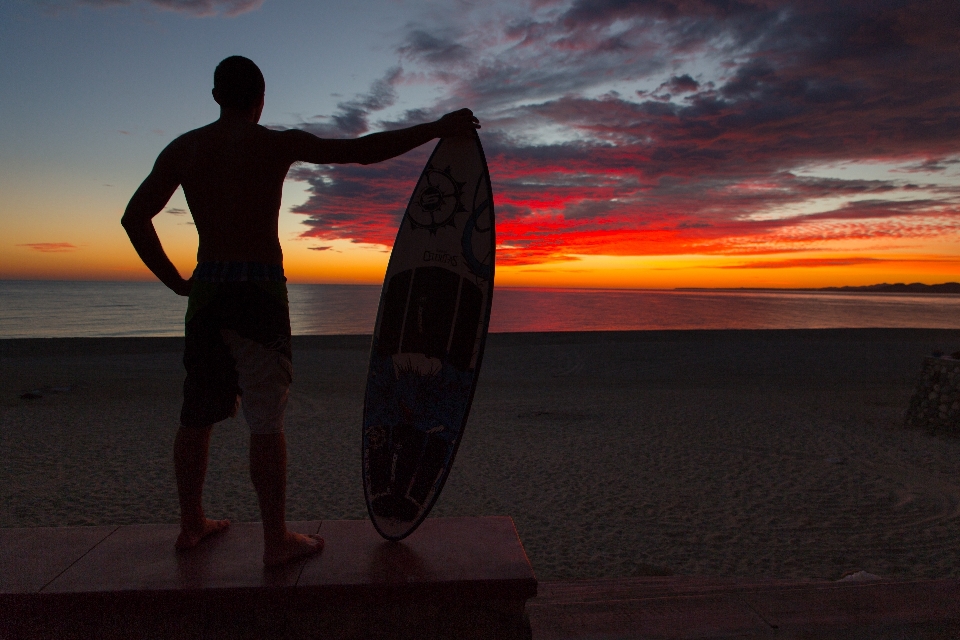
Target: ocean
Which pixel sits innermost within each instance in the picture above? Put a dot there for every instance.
(44, 309)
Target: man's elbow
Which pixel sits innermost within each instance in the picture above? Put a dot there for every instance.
(127, 221)
(132, 220)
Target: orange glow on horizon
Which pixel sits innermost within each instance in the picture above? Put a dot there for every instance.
(348, 263)
(703, 271)
(571, 258)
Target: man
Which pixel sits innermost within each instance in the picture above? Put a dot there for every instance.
(237, 321)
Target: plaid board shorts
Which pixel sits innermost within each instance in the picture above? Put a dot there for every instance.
(237, 346)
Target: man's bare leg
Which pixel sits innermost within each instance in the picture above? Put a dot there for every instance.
(190, 451)
(268, 470)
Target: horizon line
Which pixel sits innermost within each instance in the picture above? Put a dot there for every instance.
(547, 287)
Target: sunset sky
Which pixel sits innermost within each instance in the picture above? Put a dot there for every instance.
(662, 143)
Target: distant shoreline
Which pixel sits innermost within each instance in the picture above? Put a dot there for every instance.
(899, 287)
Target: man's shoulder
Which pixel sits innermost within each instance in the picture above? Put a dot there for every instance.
(286, 143)
(282, 134)
(187, 141)
(194, 135)
(214, 137)
(217, 130)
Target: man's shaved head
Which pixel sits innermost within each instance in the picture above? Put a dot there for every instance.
(238, 83)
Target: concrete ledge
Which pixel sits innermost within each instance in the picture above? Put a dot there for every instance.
(454, 577)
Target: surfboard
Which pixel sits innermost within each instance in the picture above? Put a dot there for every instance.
(429, 337)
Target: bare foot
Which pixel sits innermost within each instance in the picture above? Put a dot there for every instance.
(190, 538)
(293, 547)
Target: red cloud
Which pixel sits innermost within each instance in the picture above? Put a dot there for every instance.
(50, 247)
(717, 169)
(825, 262)
(806, 263)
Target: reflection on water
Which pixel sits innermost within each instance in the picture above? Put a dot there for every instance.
(332, 309)
(44, 309)
(90, 309)
(623, 310)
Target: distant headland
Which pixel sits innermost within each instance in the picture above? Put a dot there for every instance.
(899, 287)
(915, 287)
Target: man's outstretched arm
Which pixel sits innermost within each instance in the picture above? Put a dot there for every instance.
(378, 147)
(150, 198)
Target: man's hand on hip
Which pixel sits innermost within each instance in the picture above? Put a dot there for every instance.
(183, 287)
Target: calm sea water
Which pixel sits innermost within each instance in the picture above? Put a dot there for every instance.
(35, 309)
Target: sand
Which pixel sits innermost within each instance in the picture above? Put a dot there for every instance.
(725, 453)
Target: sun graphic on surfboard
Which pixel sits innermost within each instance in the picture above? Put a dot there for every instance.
(437, 201)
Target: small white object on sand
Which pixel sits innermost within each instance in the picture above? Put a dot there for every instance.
(859, 576)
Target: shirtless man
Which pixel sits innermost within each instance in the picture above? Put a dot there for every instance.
(237, 322)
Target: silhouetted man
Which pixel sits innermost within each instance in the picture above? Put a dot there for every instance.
(237, 321)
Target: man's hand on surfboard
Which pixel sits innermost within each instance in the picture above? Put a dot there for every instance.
(457, 123)
(376, 147)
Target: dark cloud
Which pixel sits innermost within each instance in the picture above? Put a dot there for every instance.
(352, 117)
(360, 203)
(602, 11)
(208, 7)
(200, 8)
(680, 84)
(930, 165)
(432, 47)
(535, 60)
(714, 164)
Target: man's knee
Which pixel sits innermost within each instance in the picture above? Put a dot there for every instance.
(264, 405)
(264, 376)
(194, 432)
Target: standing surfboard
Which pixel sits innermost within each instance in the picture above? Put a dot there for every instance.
(429, 337)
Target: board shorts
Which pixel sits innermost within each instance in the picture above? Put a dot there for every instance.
(237, 349)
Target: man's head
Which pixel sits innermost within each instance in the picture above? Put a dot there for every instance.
(238, 84)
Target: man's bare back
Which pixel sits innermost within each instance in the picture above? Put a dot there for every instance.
(232, 173)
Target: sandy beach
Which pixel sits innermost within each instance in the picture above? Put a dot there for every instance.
(726, 453)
